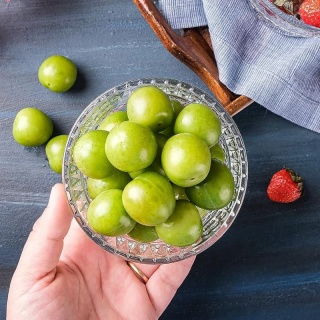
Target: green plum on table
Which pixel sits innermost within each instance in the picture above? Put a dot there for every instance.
(57, 73)
(31, 127)
(55, 152)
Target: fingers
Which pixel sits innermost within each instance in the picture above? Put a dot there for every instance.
(44, 245)
(165, 281)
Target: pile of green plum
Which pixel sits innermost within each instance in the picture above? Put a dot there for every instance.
(153, 169)
(32, 127)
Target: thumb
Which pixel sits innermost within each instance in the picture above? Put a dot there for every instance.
(42, 250)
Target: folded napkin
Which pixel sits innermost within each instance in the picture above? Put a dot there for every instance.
(255, 58)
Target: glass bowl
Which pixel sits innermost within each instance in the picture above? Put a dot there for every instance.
(289, 24)
(215, 222)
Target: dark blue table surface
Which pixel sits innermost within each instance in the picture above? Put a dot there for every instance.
(267, 266)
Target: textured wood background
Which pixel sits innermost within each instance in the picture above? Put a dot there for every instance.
(267, 266)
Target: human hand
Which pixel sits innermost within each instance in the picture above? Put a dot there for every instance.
(63, 274)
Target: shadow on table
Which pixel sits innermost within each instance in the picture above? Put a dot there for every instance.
(81, 82)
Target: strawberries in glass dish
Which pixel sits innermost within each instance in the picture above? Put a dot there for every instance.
(306, 10)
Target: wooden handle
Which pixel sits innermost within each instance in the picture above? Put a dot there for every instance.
(238, 104)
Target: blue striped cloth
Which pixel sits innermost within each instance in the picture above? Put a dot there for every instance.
(278, 70)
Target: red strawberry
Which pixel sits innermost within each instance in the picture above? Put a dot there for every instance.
(285, 186)
(309, 12)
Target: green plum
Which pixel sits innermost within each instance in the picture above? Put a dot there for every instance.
(186, 159)
(161, 141)
(183, 228)
(202, 212)
(177, 107)
(57, 73)
(216, 190)
(179, 192)
(31, 127)
(117, 180)
(55, 152)
(143, 233)
(200, 120)
(151, 107)
(89, 155)
(112, 120)
(168, 132)
(149, 198)
(217, 152)
(130, 146)
(134, 174)
(156, 164)
(107, 216)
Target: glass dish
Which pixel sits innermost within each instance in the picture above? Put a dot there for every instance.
(215, 222)
(289, 24)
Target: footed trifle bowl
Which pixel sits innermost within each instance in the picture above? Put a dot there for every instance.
(215, 222)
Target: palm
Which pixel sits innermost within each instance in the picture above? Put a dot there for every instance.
(65, 275)
(104, 280)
